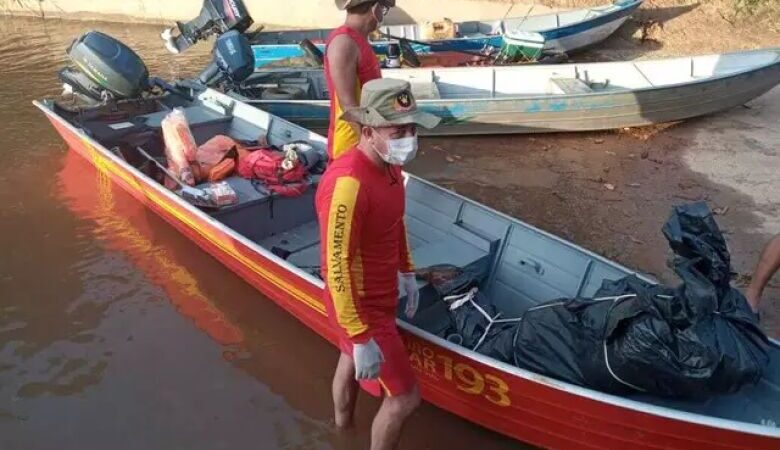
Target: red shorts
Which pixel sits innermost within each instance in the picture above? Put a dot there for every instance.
(396, 375)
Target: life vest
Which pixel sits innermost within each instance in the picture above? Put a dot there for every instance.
(216, 159)
(281, 173)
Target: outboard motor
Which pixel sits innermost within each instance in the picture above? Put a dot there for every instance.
(216, 17)
(104, 69)
(233, 61)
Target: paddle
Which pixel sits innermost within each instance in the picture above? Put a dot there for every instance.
(197, 197)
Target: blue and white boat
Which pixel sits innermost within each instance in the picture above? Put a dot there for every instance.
(537, 98)
(562, 32)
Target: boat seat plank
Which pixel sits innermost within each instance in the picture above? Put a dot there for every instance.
(247, 194)
(448, 251)
(196, 116)
(308, 258)
(570, 86)
(295, 239)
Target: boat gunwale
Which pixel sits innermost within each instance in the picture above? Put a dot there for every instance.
(590, 394)
(635, 4)
(440, 101)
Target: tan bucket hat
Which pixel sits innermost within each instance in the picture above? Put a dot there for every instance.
(386, 102)
(344, 4)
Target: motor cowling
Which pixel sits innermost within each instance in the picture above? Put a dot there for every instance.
(104, 67)
(216, 17)
(234, 60)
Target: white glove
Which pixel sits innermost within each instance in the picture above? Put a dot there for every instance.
(409, 286)
(368, 360)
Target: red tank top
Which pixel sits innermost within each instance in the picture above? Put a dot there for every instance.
(343, 135)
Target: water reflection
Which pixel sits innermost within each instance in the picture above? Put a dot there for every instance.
(115, 330)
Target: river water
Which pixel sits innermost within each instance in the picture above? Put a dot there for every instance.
(115, 331)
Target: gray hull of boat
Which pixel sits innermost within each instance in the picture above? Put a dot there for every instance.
(580, 112)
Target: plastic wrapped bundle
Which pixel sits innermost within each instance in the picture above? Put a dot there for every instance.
(180, 148)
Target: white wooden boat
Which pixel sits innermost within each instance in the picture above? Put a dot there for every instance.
(544, 98)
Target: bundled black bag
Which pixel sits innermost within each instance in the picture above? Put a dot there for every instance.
(693, 341)
(478, 325)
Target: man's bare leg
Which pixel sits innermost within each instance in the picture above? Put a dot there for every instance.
(345, 391)
(767, 266)
(389, 420)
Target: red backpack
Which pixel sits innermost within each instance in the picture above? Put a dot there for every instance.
(280, 173)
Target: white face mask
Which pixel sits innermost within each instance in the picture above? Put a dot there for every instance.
(399, 151)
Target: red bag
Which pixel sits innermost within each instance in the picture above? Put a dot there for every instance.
(280, 173)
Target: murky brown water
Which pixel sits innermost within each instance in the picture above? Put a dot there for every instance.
(115, 331)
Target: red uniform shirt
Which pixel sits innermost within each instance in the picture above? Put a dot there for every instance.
(343, 135)
(360, 207)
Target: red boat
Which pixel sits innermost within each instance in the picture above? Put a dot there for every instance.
(526, 266)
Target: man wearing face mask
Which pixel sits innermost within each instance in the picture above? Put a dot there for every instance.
(350, 63)
(360, 207)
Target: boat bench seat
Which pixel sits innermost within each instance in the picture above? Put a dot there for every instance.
(569, 86)
(247, 194)
(259, 213)
(459, 248)
(303, 243)
(196, 116)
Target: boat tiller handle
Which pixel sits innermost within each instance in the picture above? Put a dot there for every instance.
(532, 264)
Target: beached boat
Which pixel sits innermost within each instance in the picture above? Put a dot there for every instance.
(526, 266)
(562, 32)
(535, 99)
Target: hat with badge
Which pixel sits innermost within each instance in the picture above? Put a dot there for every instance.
(386, 102)
(346, 4)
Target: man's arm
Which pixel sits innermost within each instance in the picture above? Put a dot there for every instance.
(766, 268)
(344, 219)
(342, 56)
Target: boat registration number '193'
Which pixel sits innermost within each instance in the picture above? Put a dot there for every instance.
(465, 377)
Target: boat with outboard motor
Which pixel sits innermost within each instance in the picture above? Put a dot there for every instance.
(519, 99)
(524, 267)
(542, 98)
(531, 36)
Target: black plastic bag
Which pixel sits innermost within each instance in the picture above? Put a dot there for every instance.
(693, 341)
(477, 325)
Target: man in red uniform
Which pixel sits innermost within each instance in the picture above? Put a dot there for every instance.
(350, 63)
(360, 207)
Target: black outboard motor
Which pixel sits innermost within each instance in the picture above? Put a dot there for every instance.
(104, 69)
(216, 17)
(234, 60)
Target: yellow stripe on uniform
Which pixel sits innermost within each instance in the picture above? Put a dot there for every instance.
(357, 271)
(345, 134)
(385, 388)
(339, 234)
